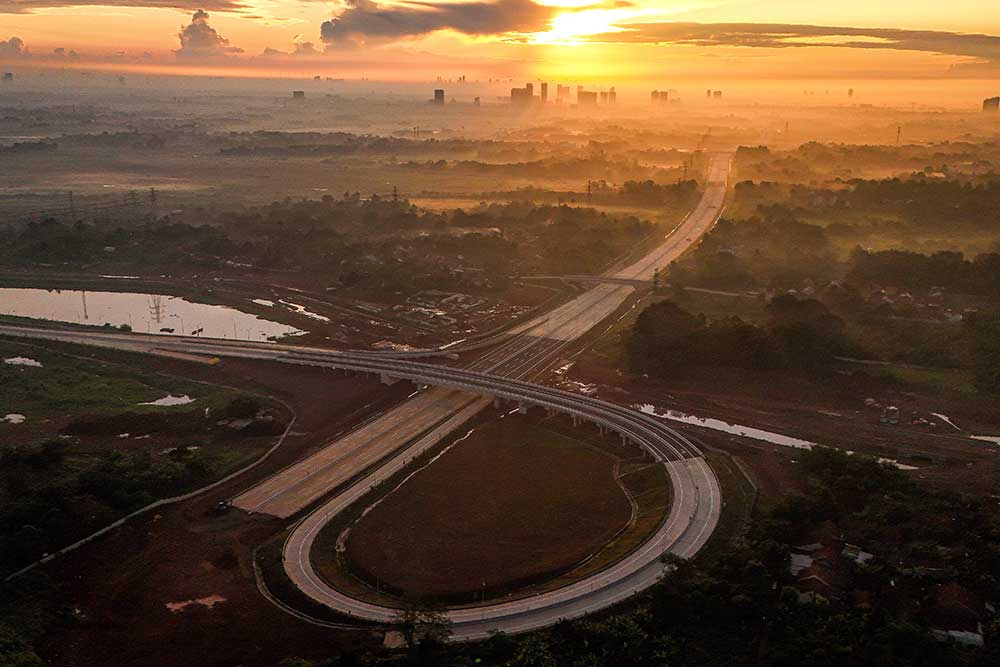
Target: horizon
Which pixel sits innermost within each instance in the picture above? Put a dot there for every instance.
(638, 43)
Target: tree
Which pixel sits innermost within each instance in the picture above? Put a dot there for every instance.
(661, 336)
(985, 331)
(418, 624)
(243, 407)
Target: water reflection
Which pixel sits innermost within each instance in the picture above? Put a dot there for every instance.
(144, 313)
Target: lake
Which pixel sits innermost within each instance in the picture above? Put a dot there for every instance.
(145, 313)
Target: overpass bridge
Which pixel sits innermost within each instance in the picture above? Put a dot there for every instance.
(388, 443)
(592, 279)
(693, 515)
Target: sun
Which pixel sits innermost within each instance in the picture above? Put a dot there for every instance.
(570, 26)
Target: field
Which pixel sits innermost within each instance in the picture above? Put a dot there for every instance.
(83, 445)
(522, 502)
(65, 384)
(119, 585)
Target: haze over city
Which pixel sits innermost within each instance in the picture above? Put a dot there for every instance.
(632, 42)
(511, 333)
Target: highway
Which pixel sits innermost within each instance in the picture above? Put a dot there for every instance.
(521, 353)
(384, 445)
(590, 308)
(693, 515)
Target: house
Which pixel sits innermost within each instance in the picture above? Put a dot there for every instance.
(957, 614)
(854, 553)
(815, 567)
(819, 567)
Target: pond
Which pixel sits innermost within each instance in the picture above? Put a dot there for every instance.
(144, 313)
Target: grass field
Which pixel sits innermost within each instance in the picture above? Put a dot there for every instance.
(86, 452)
(66, 384)
(523, 503)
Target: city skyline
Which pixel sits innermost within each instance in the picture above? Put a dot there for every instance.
(634, 42)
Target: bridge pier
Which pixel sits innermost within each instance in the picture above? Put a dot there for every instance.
(523, 407)
(387, 379)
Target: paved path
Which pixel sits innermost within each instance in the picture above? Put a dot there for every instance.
(418, 424)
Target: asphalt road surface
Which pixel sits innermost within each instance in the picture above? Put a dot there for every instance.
(295, 488)
(387, 443)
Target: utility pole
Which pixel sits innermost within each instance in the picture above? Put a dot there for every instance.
(156, 308)
(899, 132)
(395, 195)
(589, 189)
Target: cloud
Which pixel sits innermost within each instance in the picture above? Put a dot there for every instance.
(298, 49)
(304, 49)
(777, 35)
(365, 20)
(12, 48)
(61, 53)
(29, 6)
(200, 40)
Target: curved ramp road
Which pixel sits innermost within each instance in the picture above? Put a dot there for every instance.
(693, 515)
(387, 443)
(521, 353)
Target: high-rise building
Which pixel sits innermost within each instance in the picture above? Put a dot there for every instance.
(439, 96)
(545, 92)
(991, 105)
(612, 96)
(522, 96)
(562, 92)
(298, 94)
(476, 102)
(850, 92)
(604, 96)
(586, 97)
(654, 97)
(717, 94)
(530, 87)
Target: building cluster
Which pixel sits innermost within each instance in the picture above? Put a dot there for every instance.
(522, 97)
(991, 105)
(833, 571)
(713, 94)
(664, 97)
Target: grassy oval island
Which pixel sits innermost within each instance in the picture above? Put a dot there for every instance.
(524, 503)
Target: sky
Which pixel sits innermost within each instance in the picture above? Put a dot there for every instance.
(579, 40)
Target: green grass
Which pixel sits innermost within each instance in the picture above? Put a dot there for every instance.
(69, 385)
(55, 491)
(739, 503)
(513, 443)
(937, 380)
